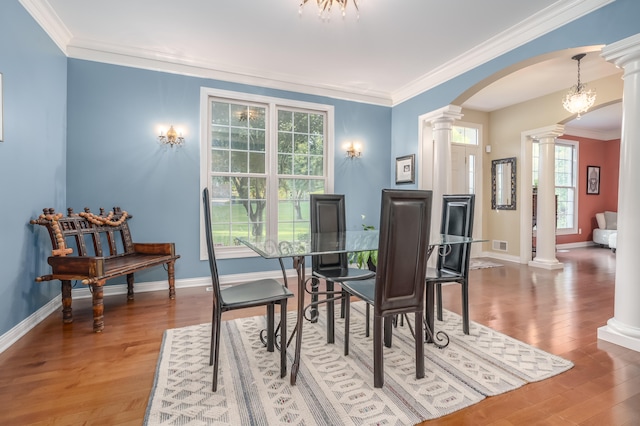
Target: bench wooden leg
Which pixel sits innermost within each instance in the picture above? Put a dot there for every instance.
(98, 307)
(67, 315)
(129, 286)
(172, 279)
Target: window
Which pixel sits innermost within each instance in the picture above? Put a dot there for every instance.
(261, 158)
(566, 170)
(465, 140)
(465, 135)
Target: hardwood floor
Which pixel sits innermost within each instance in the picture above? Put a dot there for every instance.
(67, 375)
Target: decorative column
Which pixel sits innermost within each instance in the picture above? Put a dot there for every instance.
(624, 328)
(546, 214)
(442, 123)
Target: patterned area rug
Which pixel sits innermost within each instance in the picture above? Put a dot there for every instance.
(333, 389)
(482, 264)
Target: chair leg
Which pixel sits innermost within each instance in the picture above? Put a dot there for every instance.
(419, 346)
(330, 313)
(378, 364)
(283, 337)
(213, 334)
(347, 318)
(465, 306)
(342, 309)
(388, 331)
(216, 348)
(367, 319)
(439, 298)
(270, 327)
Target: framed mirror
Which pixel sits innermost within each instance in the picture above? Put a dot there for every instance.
(503, 184)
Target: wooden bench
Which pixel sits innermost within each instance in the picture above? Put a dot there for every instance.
(100, 255)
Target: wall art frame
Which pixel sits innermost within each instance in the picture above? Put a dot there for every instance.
(593, 180)
(406, 169)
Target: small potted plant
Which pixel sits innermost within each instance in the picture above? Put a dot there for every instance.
(365, 258)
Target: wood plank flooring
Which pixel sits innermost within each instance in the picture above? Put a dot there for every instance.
(64, 374)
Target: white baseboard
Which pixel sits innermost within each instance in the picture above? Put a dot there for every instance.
(13, 335)
(500, 256)
(580, 244)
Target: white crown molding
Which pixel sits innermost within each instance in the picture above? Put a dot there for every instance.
(593, 134)
(156, 61)
(554, 16)
(50, 22)
(547, 20)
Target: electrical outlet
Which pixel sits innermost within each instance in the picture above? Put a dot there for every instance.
(579, 230)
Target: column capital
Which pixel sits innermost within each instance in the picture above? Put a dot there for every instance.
(553, 131)
(447, 114)
(623, 52)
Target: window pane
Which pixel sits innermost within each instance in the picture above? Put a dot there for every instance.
(220, 113)
(219, 161)
(239, 138)
(464, 135)
(220, 137)
(239, 162)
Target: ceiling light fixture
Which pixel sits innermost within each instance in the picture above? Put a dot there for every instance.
(324, 7)
(578, 100)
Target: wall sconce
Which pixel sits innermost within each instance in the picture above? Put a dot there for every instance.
(353, 149)
(172, 138)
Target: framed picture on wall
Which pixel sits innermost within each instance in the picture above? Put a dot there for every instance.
(405, 169)
(593, 180)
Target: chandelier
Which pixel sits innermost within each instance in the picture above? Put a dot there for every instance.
(324, 7)
(578, 100)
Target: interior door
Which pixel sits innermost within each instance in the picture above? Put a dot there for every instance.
(466, 178)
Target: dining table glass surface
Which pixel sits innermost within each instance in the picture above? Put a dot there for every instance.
(330, 242)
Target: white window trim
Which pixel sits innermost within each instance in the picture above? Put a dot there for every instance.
(205, 94)
(574, 229)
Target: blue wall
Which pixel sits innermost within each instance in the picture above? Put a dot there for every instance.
(114, 158)
(110, 114)
(32, 159)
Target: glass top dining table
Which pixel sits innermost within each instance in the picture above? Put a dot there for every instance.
(298, 249)
(331, 242)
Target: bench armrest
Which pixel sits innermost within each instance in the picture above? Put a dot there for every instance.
(155, 248)
(76, 267)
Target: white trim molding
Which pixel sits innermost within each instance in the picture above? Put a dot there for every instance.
(21, 329)
(554, 16)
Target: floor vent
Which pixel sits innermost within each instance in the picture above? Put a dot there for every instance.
(499, 245)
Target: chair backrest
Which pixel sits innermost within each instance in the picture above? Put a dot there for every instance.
(328, 216)
(405, 222)
(457, 219)
(206, 204)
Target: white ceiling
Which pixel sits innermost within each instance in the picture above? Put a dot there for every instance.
(394, 50)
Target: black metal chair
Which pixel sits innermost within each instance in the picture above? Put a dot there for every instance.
(398, 287)
(328, 216)
(265, 292)
(453, 260)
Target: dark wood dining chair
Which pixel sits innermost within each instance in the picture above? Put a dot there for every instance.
(265, 292)
(328, 217)
(453, 260)
(398, 287)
